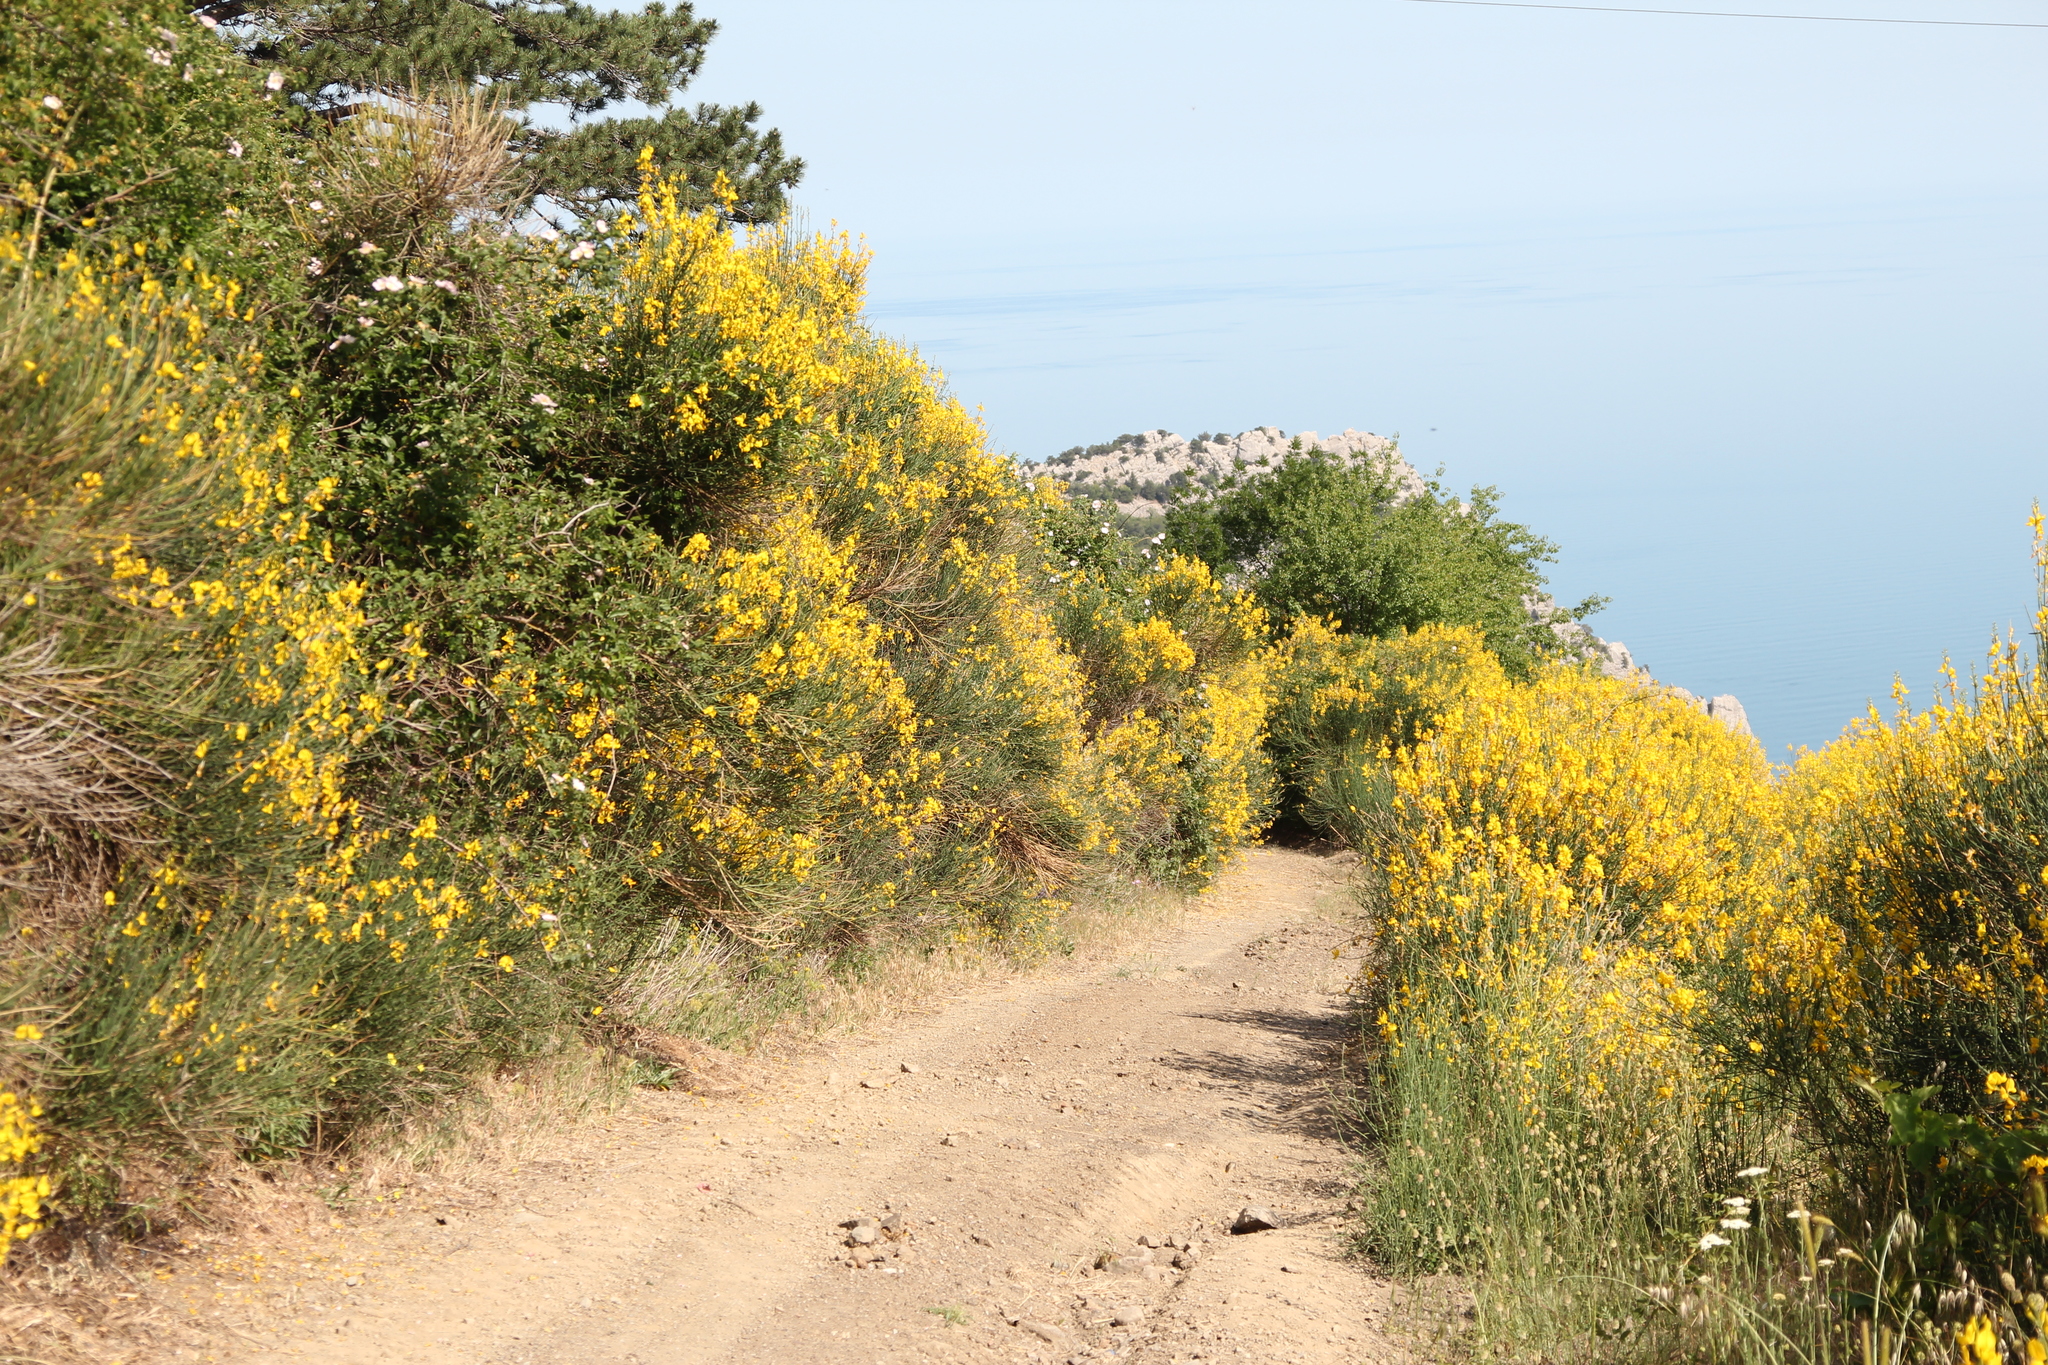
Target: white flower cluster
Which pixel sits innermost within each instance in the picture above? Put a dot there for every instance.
(1738, 1208)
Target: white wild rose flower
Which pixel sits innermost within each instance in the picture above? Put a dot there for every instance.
(387, 284)
(274, 81)
(582, 251)
(541, 400)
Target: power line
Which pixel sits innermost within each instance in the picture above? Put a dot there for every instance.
(1728, 14)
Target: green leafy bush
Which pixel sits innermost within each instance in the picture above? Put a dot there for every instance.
(128, 122)
(1317, 536)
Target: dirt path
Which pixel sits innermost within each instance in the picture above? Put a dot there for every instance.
(1003, 1146)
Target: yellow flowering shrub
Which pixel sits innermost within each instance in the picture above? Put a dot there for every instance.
(1174, 680)
(598, 627)
(1576, 827)
(1563, 858)
(1345, 703)
(1625, 967)
(1919, 942)
(21, 1195)
(883, 731)
(717, 356)
(126, 463)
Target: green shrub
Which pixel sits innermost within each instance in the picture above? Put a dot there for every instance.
(1345, 704)
(1316, 536)
(124, 122)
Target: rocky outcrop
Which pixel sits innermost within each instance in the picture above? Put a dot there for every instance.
(1612, 656)
(1616, 662)
(1142, 475)
(1724, 708)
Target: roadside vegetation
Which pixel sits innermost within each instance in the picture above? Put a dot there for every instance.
(1680, 1056)
(464, 601)
(433, 640)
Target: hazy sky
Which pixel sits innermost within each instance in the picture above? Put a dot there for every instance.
(1747, 314)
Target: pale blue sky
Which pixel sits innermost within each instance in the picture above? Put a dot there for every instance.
(1748, 315)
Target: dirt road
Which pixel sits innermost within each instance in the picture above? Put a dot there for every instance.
(1011, 1151)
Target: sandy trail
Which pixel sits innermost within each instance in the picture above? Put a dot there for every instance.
(1049, 1120)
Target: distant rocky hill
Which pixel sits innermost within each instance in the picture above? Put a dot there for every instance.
(1141, 475)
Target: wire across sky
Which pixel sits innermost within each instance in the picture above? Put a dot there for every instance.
(1733, 14)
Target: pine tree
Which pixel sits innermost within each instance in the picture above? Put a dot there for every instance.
(334, 53)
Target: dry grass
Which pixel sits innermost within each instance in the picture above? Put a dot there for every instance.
(394, 173)
(71, 797)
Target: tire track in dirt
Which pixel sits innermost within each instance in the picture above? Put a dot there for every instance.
(1046, 1125)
